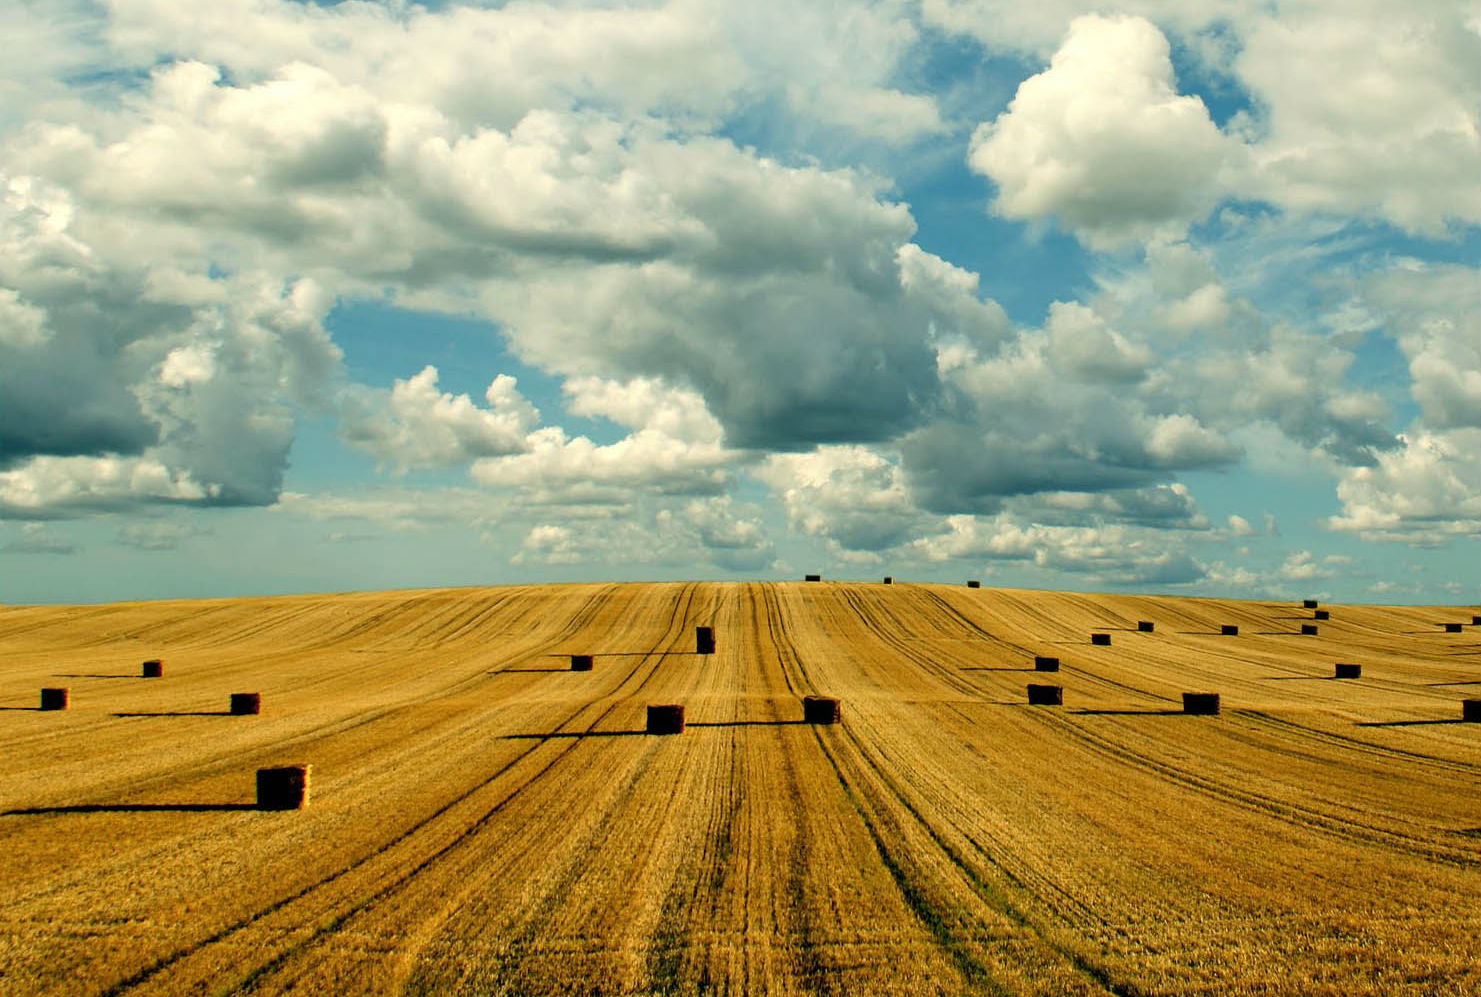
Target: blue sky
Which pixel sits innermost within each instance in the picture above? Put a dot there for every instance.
(1159, 296)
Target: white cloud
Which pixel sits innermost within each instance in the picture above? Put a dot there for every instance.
(43, 487)
(1103, 141)
(1423, 493)
(419, 426)
(676, 448)
(848, 494)
(1367, 109)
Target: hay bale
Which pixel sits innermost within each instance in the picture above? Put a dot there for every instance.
(55, 699)
(1321, 614)
(1349, 671)
(1145, 626)
(1476, 621)
(153, 669)
(973, 583)
(283, 788)
(821, 710)
(1104, 640)
(1043, 663)
(1203, 704)
(889, 579)
(1452, 628)
(1470, 711)
(246, 704)
(1045, 695)
(704, 640)
(580, 662)
(813, 578)
(1229, 630)
(1309, 629)
(1308, 604)
(666, 718)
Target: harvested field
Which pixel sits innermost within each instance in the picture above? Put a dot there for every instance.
(485, 820)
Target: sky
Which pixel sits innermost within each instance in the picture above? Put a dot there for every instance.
(1172, 296)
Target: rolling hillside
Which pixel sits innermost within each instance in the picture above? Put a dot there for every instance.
(485, 820)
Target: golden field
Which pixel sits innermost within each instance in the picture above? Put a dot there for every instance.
(485, 821)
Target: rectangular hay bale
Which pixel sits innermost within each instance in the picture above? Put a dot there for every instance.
(973, 583)
(1045, 695)
(153, 669)
(1203, 704)
(1308, 604)
(580, 662)
(1045, 663)
(704, 640)
(1452, 628)
(55, 698)
(285, 787)
(1309, 629)
(821, 710)
(1349, 671)
(1229, 630)
(813, 578)
(1104, 640)
(245, 704)
(1145, 626)
(1321, 614)
(1470, 711)
(666, 718)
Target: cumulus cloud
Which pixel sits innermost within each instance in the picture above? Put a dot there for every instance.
(1102, 140)
(419, 426)
(36, 539)
(1422, 493)
(1367, 109)
(675, 448)
(1112, 554)
(848, 494)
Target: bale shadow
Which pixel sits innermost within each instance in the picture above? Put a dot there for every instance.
(179, 713)
(574, 735)
(987, 668)
(35, 708)
(130, 808)
(1209, 633)
(1431, 685)
(743, 723)
(86, 675)
(527, 671)
(1407, 723)
(1299, 678)
(1126, 713)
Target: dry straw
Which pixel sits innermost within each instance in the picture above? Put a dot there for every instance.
(283, 788)
(1045, 695)
(704, 640)
(580, 662)
(1043, 663)
(821, 710)
(153, 669)
(1229, 630)
(55, 699)
(1145, 626)
(1204, 704)
(1349, 671)
(666, 718)
(1102, 639)
(246, 704)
